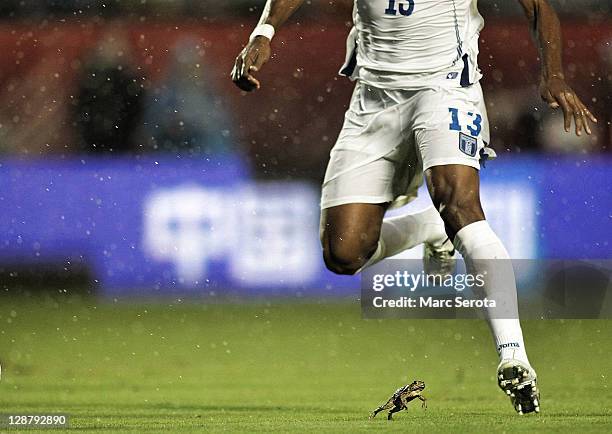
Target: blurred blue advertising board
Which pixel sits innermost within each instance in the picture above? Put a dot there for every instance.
(148, 227)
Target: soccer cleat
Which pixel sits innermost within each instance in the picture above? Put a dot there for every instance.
(439, 260)
(519, 381)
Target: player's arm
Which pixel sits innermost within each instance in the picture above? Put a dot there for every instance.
(553, 88)
(257, 50)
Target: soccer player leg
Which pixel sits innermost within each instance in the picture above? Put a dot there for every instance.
(355, 236)
(455, 192)
(452, 146)
(372, 166)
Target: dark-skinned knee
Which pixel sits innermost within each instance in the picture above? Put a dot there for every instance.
(455, 191)
(458, 213)
(345, 257)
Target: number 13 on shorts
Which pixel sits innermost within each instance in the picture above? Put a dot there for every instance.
(472, 122)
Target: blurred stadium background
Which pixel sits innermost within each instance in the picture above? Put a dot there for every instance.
(130, 159)
(132, 169)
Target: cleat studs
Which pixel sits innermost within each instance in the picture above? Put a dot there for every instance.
(519, 383)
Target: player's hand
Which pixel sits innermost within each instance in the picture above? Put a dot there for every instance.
(557, 93)
(250, 60)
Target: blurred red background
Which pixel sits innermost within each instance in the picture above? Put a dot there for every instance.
(289, 126)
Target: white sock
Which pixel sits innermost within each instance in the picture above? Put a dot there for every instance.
(479, 245)
(407, 231)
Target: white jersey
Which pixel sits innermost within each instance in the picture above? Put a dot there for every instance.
(403, 44)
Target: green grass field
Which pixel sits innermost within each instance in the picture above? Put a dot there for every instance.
(285, 367)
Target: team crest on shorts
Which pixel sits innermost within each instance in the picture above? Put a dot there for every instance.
(468, 144)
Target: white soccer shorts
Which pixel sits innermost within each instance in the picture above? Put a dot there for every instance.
(390, 137)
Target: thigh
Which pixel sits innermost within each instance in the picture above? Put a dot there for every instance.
(367, 162)
(453, 180)
(367, 181)
(375, 159)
